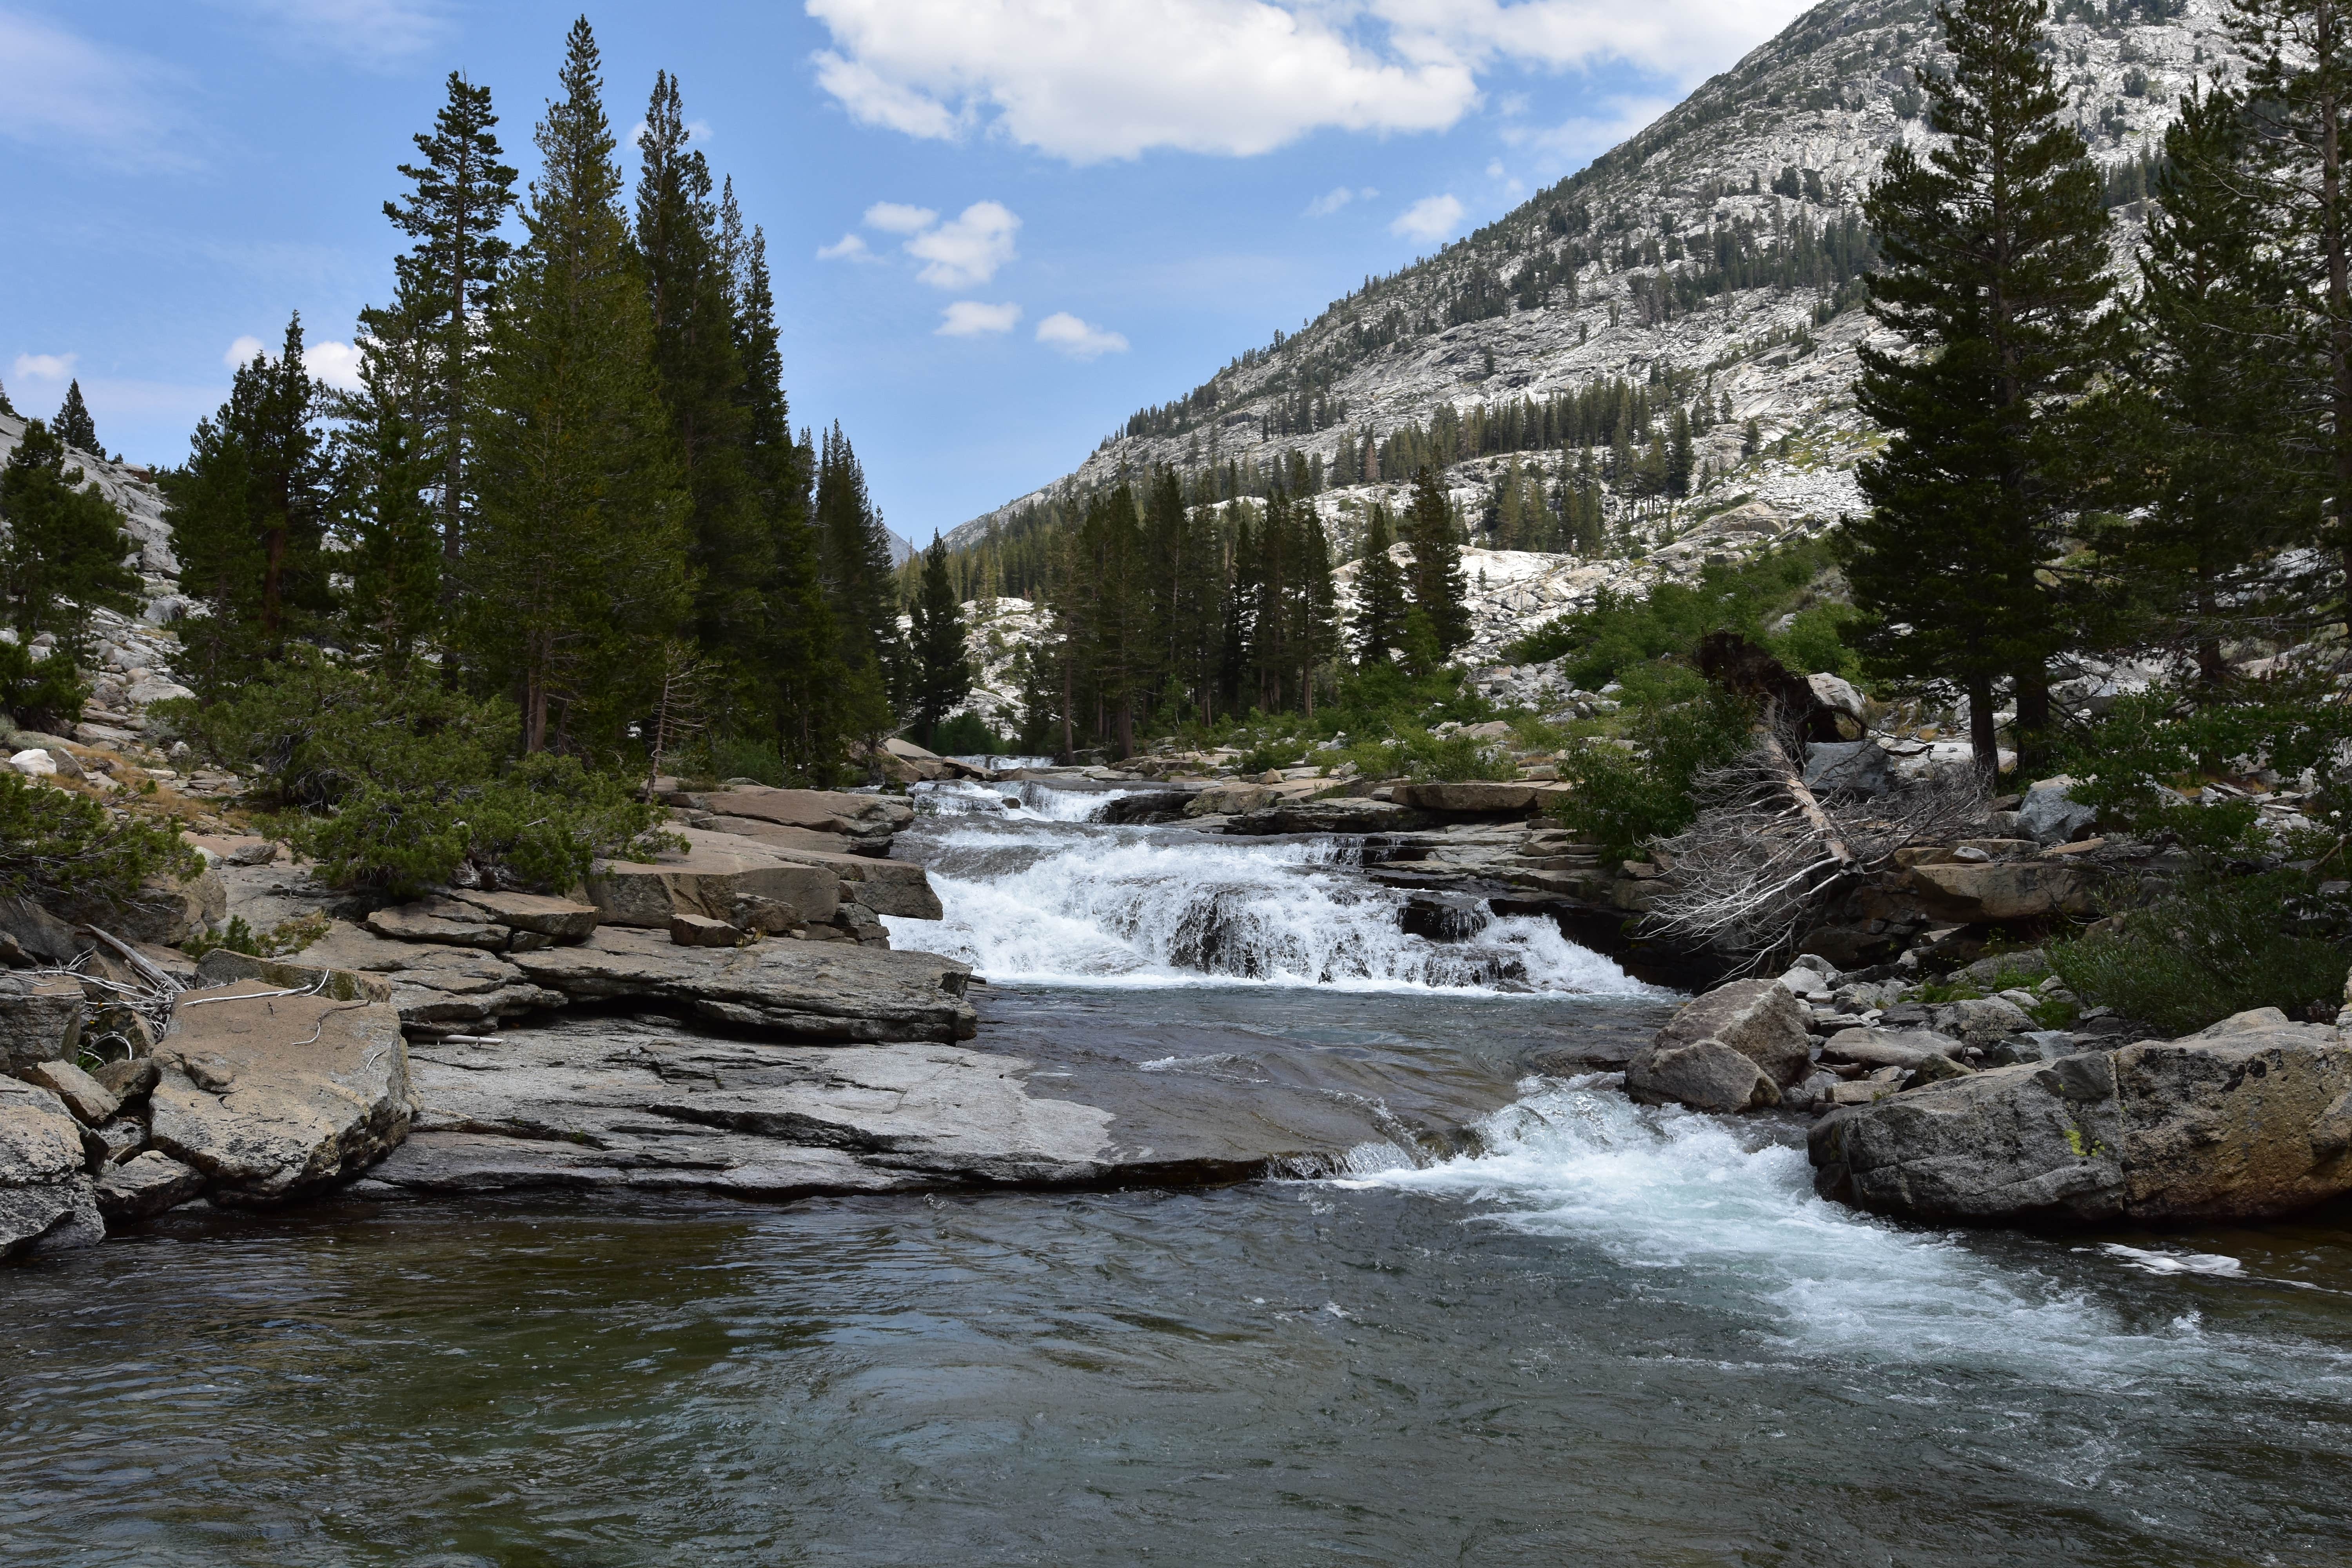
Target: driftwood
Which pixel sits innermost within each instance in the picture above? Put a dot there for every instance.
(1765, 852)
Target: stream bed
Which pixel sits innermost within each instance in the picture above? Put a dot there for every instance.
(1590, 1332)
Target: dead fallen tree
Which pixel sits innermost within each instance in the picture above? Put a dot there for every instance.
(1766, 853)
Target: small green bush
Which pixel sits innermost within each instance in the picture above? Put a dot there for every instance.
(1620, 631)
(2219, 946)
(967, 735)
(284, 937)
(539, 826)
(315, 730)
(1623, 800)
(39, 693)
(55, 845)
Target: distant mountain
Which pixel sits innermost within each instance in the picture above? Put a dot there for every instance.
(902, 549)
(1712, 263)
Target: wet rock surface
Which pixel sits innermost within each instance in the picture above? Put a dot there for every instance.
(638, 1104)
(2250, 1117)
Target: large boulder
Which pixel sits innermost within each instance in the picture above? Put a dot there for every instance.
(2050, 814)
(1847, 767)
(1983, 891)
(40, 1019)
(45, 1198)
(273, 1096)
(2250, 1117)
(1473, 798)
(851, 817)
(1732, 1050)
(30, 935)
(1705, 1075)
(706, 880)
(1760, 1019)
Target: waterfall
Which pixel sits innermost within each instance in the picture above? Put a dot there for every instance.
(1036, 893)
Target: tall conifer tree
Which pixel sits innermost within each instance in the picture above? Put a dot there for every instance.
(942, 670)
(577, 564)
(445, 287)
(74, 426)
(853, 558)
(1378, 625)
(1439, 591)
(1992, 277)
(689, 285)
(63, 555)
(386, 465)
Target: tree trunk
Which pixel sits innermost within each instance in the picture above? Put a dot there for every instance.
(1982, 743)
(2033, 747)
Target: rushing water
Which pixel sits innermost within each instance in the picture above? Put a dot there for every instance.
(1604, 1334)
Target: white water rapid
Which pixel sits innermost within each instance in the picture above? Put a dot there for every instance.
(1036, 892)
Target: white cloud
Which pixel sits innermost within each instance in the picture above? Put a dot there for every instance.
(966, 250)
(1075, 338)
(337, 364)
(241, 353)
(377, 35)
(898, 218)
(971, 319)
(848, 248)
(1236, 76)
(1429, 218)
(44, 367)
(57, 88)
(1339, 196)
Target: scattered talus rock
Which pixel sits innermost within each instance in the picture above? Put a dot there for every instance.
(2251, 1118)
(272, 1096)
(1732, 1050)
(47, 1201)
(636, 1103)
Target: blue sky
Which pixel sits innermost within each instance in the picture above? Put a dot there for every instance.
(997, 226)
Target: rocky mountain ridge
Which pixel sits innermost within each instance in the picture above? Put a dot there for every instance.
(1712, 260)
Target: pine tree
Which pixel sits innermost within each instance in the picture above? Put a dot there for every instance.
(943, 677)
(248, 518)
(2299, 86)
(1992, 257)
(689, 284)
(385, 467)
(2213, 500)
(1378, 625)
(577, 565)
(1316, 640)
(63, 555)
(1438, 591)
(5, 406)
(853, 560)
(1110, 617)
(1184, 579)
(445, 288)
(797, 640)
(73, 424)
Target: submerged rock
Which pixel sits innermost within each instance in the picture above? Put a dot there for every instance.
(2250, 1117)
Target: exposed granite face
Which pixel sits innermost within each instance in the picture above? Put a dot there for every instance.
(2250, 1117)
(639, 1103)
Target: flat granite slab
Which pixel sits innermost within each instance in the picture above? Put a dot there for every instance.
(637, 1103)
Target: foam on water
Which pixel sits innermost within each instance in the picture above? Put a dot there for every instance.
(1711, 1216)
(1064, 903)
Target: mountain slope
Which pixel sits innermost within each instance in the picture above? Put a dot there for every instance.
(1711, 263)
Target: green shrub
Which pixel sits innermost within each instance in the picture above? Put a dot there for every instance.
(55, 845)
(733, 757)
(1620, 631)
(315, 730)
(39, 693)
(2218, 947)
(539, 826)
(1621, 800)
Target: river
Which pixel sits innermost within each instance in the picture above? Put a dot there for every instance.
(1584, 1333)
